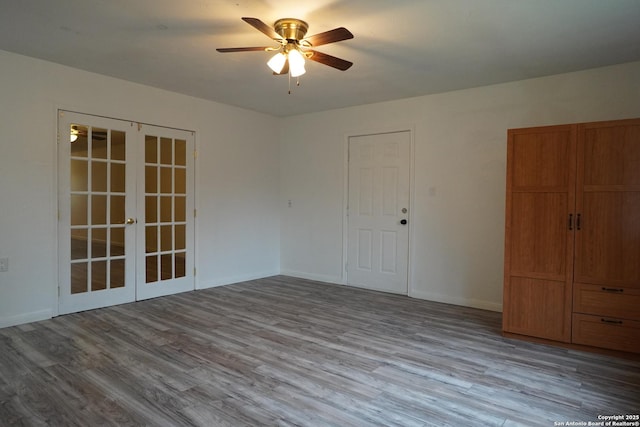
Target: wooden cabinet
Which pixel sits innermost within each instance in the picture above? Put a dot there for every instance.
(572, 247)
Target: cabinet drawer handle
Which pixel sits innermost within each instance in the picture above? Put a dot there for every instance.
(611, 322)
(616, 290)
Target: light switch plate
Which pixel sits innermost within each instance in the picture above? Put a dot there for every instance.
(4, 264)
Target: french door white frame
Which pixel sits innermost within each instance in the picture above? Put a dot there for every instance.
(135, 286)
(345, 203)
(145, 290)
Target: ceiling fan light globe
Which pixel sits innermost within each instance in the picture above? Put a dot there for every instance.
(296, 63)
(276, 63)
(297, 72)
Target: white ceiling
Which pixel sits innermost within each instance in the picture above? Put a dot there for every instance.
(401, 49)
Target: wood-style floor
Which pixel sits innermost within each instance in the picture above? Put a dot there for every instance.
(283, 351)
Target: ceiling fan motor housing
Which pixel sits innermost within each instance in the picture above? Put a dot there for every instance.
(291, 28)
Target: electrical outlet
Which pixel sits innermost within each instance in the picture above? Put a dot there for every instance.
(4, 264)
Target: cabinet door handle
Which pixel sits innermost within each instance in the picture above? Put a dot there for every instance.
(578, 222)
(616, 290)
(611, 322)
(570, 222)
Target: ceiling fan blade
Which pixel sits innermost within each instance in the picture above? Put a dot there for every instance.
(331, 36)
(242, 49)
(329, 60)
(263, 28)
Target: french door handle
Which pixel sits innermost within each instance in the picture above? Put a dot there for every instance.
(130, 221)
(578, 222)
(570, 222)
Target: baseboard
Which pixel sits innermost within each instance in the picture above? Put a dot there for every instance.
(236, 279)
(316, 277)
(20, 319)
(465, 302)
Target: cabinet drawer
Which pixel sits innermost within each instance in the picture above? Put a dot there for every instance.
(602, 300)
(606, 332)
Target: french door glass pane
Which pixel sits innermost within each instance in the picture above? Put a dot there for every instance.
(151, 179)
(180, 266)
(99, 243)
(117, 210)
(118, 145)
(78, 277)
(118, 178)
(181, 152)
(180, 236)
(97, 205)
(79, 244)
(165, 209)
(151, 209)
(151, 149)
(166, 151)
(117, 241)
(79, 170)
(116, 273)
(79, 145)
(165, 180)
(98, 143)
(167, 267)
(151, 268)
(99, 176)
(79, 206)
(165, 204)
(98, 275)
(98, 209)
(180, 206)
(180, 181)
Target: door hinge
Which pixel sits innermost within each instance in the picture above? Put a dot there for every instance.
(139, 127)
(194, 271)
(58, 291)
(195, 154)
(195, 213)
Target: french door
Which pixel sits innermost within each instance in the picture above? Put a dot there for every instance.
(378, 211)
(125, 200)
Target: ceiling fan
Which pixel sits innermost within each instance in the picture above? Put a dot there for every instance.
(77, 131)
(294, 46)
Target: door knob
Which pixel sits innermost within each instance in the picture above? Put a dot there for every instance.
(130, 221)
(403, 221)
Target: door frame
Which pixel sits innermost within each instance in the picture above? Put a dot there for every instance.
(55, 153)
(345, 199)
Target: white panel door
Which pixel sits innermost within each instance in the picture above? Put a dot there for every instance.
(378, 211)
(126, 211)
(97, 211)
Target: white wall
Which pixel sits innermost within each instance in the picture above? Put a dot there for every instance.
(237, 177)
(460, 153)
(248, 168)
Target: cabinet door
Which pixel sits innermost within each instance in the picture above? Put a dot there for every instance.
(608, 202)
(539, 235)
